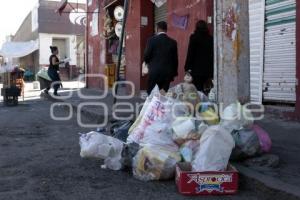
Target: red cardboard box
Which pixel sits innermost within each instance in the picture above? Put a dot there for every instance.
(206, 183)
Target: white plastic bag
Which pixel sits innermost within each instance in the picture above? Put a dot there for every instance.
(216, 145)
(99, 146)
(235, 117)
(154, 127)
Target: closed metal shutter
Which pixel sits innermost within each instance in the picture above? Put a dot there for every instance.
(257, 25)
(160, 13)
(280, 51)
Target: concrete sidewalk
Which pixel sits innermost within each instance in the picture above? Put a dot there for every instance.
(282, 181)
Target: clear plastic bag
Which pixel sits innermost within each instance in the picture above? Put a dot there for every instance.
(100, 146)
(154, 127)
(236, 117)
(189, 149)
(264, 138)
(216, 145)
(246, 144)
(155, 163)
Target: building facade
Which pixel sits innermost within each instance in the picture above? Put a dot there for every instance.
(274, 41)
(142, 17)
(47, 26)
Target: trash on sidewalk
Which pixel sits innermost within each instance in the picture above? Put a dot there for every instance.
(216, 145)
(246, 144)
(208, 114)
(100, 146)
(155, 163)
(236, 117)
(167, 133)
(128, 153)
(195, 183)
(154, 127)
(189, 149)
(185, 129)
(264, 138)
(120, 130)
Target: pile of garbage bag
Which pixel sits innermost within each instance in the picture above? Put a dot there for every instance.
(178, 126)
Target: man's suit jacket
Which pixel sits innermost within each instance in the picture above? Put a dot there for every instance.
(162, 57)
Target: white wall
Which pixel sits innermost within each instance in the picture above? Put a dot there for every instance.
(46, 42)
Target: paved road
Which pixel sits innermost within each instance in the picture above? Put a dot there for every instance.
(39, 159)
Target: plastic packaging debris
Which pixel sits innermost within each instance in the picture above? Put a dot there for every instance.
(97, 145)
(202, 128)
(236, 117)
(155, 92)
(189, 149)
(155, 163)
(216, 145)
(120, 130)
(264, 138)
(246, 144)
(185, 129)
(185, 92)
(128, 153)
(208, 114)
(154, 127)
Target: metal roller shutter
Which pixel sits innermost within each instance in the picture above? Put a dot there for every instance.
(160, 13)
(280, 51)
(257, 24)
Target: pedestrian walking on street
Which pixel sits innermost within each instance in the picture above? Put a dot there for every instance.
(53, 70)
(200, 57)
(161, 56)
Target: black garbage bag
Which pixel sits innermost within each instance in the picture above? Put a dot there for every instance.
(119, 129)
(128, 153)
(246, 144)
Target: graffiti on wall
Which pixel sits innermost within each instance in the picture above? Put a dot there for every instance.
(231, 29)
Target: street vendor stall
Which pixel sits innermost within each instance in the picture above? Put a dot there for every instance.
(12, 76)
(13, 86)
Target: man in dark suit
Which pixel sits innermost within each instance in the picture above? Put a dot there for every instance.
(162, 59)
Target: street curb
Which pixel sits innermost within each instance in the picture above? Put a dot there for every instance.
(268, 187)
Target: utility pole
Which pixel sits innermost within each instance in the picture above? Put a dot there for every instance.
(232, 65)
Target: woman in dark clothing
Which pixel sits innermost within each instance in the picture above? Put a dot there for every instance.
(53, 70)
(200, 57)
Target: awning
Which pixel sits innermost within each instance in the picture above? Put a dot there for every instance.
(18, 49)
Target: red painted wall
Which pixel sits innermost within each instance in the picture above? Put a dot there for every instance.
(96, 47)
(298, 59)
(196, 10)
(137, 36)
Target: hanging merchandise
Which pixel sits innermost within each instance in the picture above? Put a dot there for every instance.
(108, 29)
(118, 29)
(119, 13)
